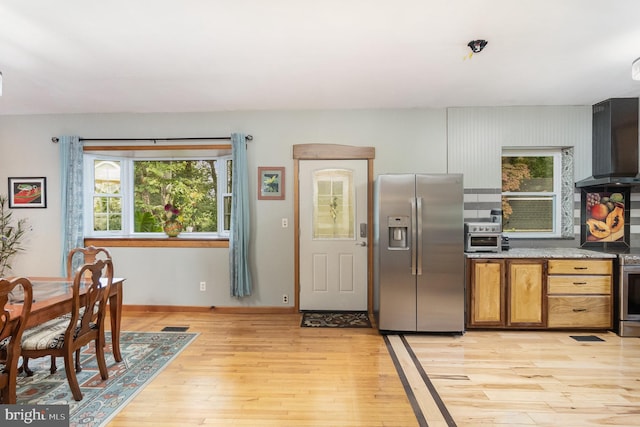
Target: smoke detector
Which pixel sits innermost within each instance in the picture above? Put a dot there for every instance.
(477, 45)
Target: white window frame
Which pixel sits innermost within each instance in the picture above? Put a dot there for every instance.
(556, 194)
(221, 171)
(126, 187)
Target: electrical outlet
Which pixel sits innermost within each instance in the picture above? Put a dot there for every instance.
(285, 299)
(203, 286)
(285, 222)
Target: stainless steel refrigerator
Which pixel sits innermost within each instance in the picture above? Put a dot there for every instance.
(419, 253)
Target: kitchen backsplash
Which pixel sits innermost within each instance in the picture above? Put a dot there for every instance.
(478, 203)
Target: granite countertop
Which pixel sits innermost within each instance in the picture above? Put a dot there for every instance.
(542, 253)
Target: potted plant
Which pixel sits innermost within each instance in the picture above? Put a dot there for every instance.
(172, 225)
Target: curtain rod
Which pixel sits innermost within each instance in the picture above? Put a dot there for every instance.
(212, 138)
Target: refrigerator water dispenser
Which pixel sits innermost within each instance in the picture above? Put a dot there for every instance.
(398, 231)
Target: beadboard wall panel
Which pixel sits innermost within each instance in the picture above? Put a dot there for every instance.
(477, 135)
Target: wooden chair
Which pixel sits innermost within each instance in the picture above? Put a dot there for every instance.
(91, 253)
(82, 327)
(11, 335)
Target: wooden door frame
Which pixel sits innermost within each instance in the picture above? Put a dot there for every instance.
(333, 152)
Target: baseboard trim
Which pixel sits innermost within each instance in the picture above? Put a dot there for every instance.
(255, 310)
(221, 310)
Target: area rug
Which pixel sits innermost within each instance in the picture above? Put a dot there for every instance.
(145, 355)
(335, 319)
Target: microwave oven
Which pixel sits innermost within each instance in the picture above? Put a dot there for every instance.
(482, 237)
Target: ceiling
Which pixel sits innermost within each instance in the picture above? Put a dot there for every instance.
(88, 56)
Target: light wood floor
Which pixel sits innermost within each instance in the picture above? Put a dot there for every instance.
(265, 370)
(529, 378)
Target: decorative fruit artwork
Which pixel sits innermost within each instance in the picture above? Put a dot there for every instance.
(605, 216)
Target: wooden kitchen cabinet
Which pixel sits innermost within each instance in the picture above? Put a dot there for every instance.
(526, 292)
(580, 294)
(532, 293)
(506, 293)
(486, 290)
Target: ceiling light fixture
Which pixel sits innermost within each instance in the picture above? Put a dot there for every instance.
(477, 45)
(635, 69)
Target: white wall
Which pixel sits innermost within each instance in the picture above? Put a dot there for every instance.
(416, 140)
(405, 141)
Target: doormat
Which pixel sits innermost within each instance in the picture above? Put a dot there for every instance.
(586, 338)
(335, 319)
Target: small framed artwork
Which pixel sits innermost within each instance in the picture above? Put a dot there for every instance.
(270, 183)
(28, 192)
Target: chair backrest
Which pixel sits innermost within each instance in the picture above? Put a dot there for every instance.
(19, 292)
(89, 255)
(95, 280)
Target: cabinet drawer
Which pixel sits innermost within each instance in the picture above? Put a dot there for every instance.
(579, 284)
(579, 266)
(579, 312)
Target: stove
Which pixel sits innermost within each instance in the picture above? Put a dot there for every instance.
(627, 295)
(629, 258)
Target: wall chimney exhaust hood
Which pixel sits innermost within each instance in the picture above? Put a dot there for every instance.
(615, 143)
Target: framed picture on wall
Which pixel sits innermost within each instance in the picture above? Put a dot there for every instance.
(270, 183)
(605, 218)
(28, 192)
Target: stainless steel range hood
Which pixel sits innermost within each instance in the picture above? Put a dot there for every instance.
(614, 144)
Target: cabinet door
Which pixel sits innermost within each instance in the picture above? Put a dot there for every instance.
(486, 293)
(526, 293)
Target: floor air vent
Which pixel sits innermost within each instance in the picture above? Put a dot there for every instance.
(586, 338)
(175, 329)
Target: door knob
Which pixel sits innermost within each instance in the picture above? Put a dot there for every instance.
(361, 243)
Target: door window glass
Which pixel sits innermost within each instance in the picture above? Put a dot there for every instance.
(333, 204)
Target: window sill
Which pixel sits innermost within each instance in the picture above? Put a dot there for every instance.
(159, 242)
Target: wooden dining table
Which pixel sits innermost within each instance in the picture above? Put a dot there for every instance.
(52, 297)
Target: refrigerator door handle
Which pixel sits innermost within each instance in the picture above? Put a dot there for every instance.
(413, 236)
(418, 243)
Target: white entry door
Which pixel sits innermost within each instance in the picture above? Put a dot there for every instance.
(333, 241)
